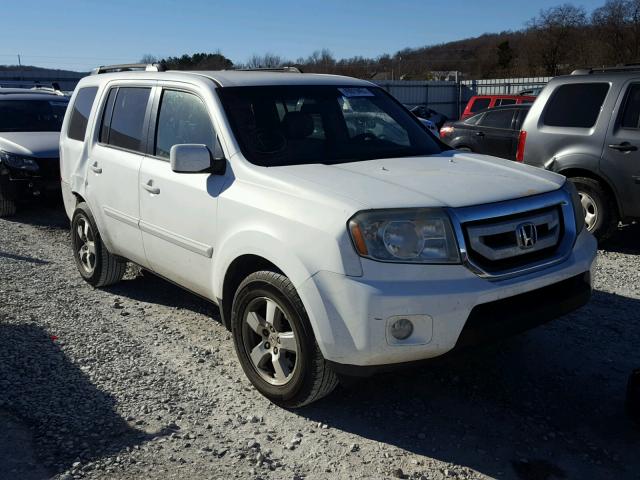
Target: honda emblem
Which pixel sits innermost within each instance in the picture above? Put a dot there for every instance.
(527, 235)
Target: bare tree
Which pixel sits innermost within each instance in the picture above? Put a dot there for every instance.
(268, 60)
(556, 29)
(148, 58)
(611, 22)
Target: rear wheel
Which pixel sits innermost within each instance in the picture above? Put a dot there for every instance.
(600, 211)
(96, 264)
(275, 343)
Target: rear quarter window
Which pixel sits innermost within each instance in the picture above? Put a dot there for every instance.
(124, 118)
(575, 105)
(497, 119)
(480, 104)
(80, 113)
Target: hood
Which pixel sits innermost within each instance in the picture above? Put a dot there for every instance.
(31, 144)
(450, 179)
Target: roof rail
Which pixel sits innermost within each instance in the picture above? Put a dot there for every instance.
(629, 67)
(286, 69)
(126, 67)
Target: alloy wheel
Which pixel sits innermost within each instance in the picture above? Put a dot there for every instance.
(590, 210)
(269, 341)
(86, 241)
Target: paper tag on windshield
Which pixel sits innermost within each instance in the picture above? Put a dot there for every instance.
(356, 92)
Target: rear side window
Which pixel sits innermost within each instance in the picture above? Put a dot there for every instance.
(497, 119)
(505, 101)
(631, 112)
(183, 118)
(473, 120)
(576, 105)
(123, 121)
(80, 113)
(480, 104)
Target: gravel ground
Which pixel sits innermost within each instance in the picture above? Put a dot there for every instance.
(140, 380)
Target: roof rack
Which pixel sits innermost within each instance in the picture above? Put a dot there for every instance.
(629, 67)
(286, 69)
(126, 67)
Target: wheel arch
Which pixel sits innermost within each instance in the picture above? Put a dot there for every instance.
(570, 172)
(239, 269)
(249, 251)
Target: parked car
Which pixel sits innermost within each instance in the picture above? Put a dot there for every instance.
(483, 102)
(587, 126)
(30, 123)
(422, 111)
(334, 233)
(490, 132)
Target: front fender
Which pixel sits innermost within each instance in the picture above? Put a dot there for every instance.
(263, 245)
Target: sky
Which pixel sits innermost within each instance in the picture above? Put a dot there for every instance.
(81, 34)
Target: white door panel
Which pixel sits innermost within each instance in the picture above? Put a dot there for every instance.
(178, 223)
(112, 191)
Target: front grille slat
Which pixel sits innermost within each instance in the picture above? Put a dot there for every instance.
(494, 243)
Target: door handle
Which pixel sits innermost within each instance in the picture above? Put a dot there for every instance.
(96, 168)
(150, 188)
(623, 147)
(479, 134)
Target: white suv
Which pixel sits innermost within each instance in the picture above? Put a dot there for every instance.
(337, 236)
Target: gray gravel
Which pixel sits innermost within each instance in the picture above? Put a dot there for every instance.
(141, 381)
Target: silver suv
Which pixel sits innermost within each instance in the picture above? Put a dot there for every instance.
(586, 126)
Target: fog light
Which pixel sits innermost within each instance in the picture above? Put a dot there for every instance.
(401, 329)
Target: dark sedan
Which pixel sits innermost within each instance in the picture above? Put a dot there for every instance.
(492, 132)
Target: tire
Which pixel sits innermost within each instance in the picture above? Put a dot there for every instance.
(7, 207)
(601, 212)
(96, 264)
(464, 149)
(287, 340)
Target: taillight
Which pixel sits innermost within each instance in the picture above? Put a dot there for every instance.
(446, 130)
(522, 140)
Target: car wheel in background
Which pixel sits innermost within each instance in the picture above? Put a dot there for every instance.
(96, 264)
(275, 343)
(600, 211)
(464, 149)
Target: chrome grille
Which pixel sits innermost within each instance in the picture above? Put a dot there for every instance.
(490, 246)
(500, 240)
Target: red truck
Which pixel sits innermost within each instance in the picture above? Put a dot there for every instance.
(481, 102)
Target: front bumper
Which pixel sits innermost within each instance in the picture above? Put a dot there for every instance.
(451, 306)
(19, 184)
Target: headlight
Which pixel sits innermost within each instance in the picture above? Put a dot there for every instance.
(18, 162)
(420, 235)
(578, 211)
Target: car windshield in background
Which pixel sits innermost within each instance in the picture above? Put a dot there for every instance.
(294, 125)
(31, 115)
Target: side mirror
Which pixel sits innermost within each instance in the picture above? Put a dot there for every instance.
(190, 158)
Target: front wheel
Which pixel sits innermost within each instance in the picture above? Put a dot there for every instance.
(275, 343)
(96, 264)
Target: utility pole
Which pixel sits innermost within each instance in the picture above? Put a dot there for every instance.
(20, 67)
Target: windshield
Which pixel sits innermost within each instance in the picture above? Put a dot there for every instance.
(32, 115)
(302, 124)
